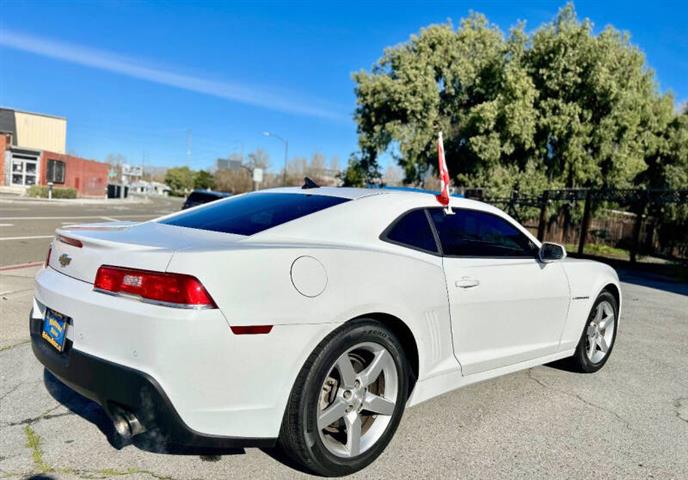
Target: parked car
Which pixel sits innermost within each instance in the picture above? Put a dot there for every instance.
(309, 318)
(199, 197)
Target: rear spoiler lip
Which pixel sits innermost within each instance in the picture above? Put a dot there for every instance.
(98, 235)
(108, 226)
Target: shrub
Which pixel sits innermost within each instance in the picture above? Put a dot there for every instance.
(41, 191)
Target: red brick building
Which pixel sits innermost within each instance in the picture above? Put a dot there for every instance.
(88, 177)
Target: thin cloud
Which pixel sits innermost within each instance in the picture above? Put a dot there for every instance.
(104, 60)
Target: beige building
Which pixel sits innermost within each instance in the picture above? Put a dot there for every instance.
(35, 131)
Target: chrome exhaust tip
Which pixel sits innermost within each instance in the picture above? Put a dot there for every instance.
(126, 423)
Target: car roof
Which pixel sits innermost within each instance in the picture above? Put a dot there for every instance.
(361, 220)
(342, 192)
(353, 193)
(409, 194)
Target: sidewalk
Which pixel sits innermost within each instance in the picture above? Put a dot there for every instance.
(16, 290)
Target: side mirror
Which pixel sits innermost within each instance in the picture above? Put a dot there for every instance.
(551, 252)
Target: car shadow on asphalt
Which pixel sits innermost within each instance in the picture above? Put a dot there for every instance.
(147, 441)
(669, 277)
(653, 281)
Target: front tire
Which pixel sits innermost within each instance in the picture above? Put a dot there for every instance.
(347, 400)
(598, 337)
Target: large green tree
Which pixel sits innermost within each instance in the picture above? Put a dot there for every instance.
(180, 180)
(203, 180)
(559, 107)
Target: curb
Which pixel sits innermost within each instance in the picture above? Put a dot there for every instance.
(20, 266)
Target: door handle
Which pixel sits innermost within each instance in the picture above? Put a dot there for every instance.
(467, 282)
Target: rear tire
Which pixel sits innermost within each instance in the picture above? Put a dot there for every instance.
(347, 401)
(598, 337)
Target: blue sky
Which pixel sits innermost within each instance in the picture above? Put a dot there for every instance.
(135, 78)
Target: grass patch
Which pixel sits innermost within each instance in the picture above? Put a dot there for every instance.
(41, 191)
(601, 250)
(33, 442)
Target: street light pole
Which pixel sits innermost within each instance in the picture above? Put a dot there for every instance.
(286, 153)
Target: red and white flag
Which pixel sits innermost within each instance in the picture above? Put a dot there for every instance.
(443, 197)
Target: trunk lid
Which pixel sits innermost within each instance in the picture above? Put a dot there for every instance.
(146, 246)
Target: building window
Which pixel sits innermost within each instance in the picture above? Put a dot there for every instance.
(56, 171)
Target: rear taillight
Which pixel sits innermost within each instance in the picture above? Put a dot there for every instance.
(47, 258)
(171, 289)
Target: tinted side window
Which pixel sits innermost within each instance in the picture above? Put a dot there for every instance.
(413, 229)
(479, 234)
(252, 213)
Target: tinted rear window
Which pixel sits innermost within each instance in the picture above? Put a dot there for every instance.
(413, 230)
(253, 213)
(200, 197)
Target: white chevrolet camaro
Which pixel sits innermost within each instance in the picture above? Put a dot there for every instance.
(309, 318)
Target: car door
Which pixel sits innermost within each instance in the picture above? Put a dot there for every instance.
(506, 306)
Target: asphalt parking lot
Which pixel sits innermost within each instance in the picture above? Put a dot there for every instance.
(26, 226)
(630, 420)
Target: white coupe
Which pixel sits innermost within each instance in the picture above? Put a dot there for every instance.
(309, 318)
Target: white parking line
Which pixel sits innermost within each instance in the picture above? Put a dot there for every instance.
(6, 224)
(35, 237)
(110, 219)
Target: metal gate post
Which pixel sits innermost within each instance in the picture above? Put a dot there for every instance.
(635, 244)
(586, 222)
(544, 200)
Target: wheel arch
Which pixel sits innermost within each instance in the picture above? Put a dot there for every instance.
(405, 336)
(616, 293)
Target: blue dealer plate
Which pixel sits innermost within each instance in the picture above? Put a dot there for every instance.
(54, 329)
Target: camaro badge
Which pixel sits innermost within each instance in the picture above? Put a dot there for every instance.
(65, 260)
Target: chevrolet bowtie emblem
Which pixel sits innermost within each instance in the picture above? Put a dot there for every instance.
(64, 260)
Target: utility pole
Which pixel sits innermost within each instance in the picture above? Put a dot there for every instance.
(286, 155)
(189, 139)
(122, 179)
(143, 171)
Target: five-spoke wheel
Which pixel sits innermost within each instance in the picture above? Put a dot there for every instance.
(358, 399)
(348, 399)
(599, 334)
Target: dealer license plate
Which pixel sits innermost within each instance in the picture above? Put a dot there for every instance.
(55, 328)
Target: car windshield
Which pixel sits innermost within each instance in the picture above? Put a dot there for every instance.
(253, 213)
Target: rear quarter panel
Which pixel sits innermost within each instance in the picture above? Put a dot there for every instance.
(253, 286)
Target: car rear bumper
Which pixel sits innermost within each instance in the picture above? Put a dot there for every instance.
(204, 381)
(116, 386)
